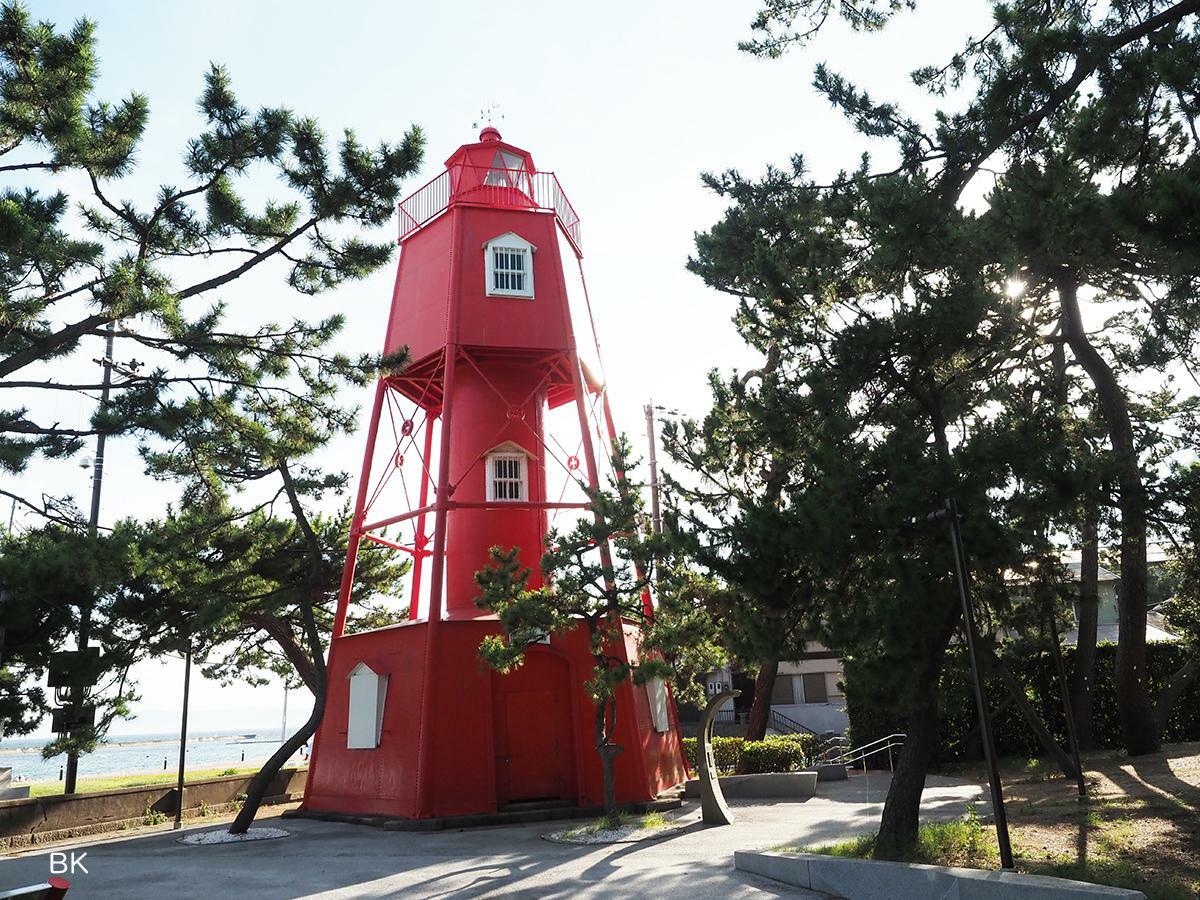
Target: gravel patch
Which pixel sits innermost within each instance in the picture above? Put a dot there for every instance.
(204, 838)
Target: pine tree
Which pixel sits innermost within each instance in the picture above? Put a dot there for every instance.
(729, 517)
(596, 575)
(898, 385)
(153, 274)
(48, 577)
(1095, 104)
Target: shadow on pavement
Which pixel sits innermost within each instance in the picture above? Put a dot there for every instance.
(330, 860)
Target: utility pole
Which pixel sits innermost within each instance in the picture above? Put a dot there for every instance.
(79, 693)
(655, 509)
(950, 515)
(283, 732)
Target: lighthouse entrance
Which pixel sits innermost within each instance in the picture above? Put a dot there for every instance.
(534, 751)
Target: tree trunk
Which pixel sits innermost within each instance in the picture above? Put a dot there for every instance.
(282, 634)
(315, 658)
(902, 809)
(1016, 690)
(1082, 679)
(257, 790)
(606, 713)
(1173, 690)
(760, 709)
(1139, 725)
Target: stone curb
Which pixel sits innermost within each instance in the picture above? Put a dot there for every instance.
(865, 879)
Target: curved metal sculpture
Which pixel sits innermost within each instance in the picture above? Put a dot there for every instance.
(713, 808)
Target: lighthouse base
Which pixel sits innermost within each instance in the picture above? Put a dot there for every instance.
(494, 742)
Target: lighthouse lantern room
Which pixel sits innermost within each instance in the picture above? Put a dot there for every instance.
(483, 438)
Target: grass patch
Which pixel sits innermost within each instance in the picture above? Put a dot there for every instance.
(968, 843)
(1113, 872)
(96, 785)
(961, 843)
(651, 821)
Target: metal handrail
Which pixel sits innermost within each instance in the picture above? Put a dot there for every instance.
(849, 757)
(796, 727)
(499, 187)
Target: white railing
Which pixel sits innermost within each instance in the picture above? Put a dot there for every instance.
(860, 754)
(504, 188)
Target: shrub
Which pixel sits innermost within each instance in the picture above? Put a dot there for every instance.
(873, 717)
(228, 772)
(778, 753)
(783, 753)
(1034, 771)
(153, 816)
(727, 752)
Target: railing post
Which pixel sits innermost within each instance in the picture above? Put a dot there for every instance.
(891, 766)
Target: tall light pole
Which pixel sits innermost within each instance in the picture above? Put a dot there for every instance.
(79, 693)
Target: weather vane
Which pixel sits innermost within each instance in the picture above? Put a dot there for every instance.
(488, 115)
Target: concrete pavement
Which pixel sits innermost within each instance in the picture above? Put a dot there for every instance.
(328, 860)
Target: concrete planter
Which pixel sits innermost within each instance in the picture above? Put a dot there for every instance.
(864, 879)
(766, 785)
(831, 772)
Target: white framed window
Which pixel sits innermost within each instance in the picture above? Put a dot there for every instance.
(510, 270)
(507, 477)
(508, 260)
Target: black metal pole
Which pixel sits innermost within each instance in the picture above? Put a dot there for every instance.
(962, 574)
(1072, 735)
(187, 684)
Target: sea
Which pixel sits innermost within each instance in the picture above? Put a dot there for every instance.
(129, 754)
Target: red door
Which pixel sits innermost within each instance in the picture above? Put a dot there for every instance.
(533, 748)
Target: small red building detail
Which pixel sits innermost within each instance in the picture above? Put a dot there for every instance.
(479, 441)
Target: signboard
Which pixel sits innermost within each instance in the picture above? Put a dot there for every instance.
(67, 719)
(74, 668)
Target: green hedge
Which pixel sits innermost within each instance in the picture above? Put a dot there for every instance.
(958, 719)
(777, 753)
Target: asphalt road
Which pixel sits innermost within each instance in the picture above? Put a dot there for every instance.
(327, 860)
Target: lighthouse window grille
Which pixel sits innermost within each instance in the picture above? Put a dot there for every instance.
(506, 477)
(510, 270)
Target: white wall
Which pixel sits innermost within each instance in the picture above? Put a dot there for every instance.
(820, 717)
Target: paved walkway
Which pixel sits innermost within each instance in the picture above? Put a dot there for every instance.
(327, 860)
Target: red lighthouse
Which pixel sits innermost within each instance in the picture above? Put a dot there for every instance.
(479, 441)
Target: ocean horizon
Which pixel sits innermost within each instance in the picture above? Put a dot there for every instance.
(136, 753)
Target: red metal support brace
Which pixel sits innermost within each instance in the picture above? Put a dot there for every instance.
(356, 523)
(422, 539)
(438, 561)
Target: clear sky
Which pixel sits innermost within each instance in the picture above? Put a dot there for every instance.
(627, 101)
